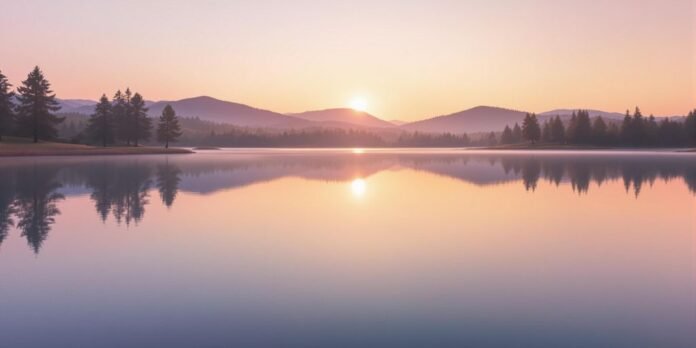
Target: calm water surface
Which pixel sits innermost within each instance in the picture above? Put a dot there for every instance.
(333, 248)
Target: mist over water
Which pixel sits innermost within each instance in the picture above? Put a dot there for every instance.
(349, 248)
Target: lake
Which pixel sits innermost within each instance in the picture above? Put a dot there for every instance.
(349, 248)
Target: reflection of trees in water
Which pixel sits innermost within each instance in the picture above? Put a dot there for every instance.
(168, 178)
(635, 172)
(119, 188)
(35, 203)
(7, 193)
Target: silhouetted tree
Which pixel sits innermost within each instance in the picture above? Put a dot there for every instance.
(100, 127)
(557, 131)
(651, 131)
(491, 139)
(582, 128)
(638, 128)
(690, 129)
(516, 134)
(37, 105)
(168, 182)
(506, 137)
(142, 126)
(6, 106)
(168, 129)
(121, 115)
(530, 129)
(546, 132)
(599, 131)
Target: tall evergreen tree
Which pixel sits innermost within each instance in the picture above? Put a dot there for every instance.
(627, 129)
(516, 134)
(37, 107)
(100, 127)
(168, 129)
(582, 133)
(599, 131)
(506, 137)
(6, 106)
(651, 131)
(546, 132)
(119, 109)
(530, 129)
(142, 126)
(690, 129)
(557, 131)
(638, 128)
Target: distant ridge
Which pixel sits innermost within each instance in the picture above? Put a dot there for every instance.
(474, 120)
(477, 119)
(345, 116)
(215, 110)
(593, 113)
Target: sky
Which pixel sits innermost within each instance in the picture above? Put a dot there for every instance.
(400, 59)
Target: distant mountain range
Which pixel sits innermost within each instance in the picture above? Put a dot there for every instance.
(344, 115)
(477, 119)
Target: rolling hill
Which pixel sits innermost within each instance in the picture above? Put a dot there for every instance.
(344, 116)
(478, 119)
(215, 110)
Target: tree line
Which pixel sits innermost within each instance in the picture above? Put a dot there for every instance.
(634, 131)
(31, 111)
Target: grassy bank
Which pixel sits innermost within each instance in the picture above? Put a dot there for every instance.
(10, 147)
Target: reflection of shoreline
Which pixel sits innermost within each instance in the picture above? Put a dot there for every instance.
(121, 188)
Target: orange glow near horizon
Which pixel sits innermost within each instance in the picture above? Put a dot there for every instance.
(525, 55)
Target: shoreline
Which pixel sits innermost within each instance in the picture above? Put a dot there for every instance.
(527, 147)
(58, 149)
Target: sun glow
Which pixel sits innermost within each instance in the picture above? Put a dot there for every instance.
(358, 104)
(358, 151)
(358, 187)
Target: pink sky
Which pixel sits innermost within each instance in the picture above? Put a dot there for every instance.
(407, 59)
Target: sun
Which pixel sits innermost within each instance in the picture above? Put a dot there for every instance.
(358, 104)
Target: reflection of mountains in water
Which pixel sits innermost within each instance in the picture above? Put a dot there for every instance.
(30, 189)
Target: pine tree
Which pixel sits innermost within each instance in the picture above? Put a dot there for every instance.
(516, 134)
(599, 131)
(690, 129)
(507, 137)
(119, 109)
(530, 128)
(583, 128)
(557, 131)
(492, 141)
(6, 106)
(100, 127)
(546, 132)
(142, 126)
(651, 131)
(168, 129)
(627, 129)
(638, 128)
(570, 132)
(37, 105)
